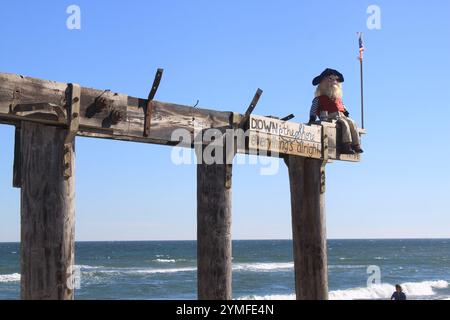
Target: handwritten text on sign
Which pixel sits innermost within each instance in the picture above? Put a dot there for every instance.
(285, 137)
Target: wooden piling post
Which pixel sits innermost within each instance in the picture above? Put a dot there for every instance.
(47, 214)
(308, 228)
(214, 231)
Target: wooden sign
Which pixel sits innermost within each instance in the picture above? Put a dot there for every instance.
(268, 134)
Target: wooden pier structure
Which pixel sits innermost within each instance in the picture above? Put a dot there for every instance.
(49, 115)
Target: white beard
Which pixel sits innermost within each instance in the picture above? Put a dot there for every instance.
(333, 92)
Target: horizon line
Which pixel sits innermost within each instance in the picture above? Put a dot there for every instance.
(279, 239)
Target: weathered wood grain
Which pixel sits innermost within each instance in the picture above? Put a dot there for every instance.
(308, 228)
(214, 231)
(47, 214)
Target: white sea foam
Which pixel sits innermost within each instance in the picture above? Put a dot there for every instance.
(385, 290)
(424, 288)
(347, 266)
(237, 267)
(85, 266)
(252, 267)
(378, 291)
(263, 266)
(165, 260)
(13, 277)
(136, 271)
(171, 270)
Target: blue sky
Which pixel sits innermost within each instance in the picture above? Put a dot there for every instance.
(220, 52)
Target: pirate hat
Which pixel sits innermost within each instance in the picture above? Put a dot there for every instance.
(327, 72)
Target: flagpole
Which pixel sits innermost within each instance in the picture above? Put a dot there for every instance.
(362, 92)
(361, 54)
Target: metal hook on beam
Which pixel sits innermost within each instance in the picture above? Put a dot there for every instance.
(149, 107)
(251, 107)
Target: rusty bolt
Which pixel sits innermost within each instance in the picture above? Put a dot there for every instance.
(102, 103)
(116, 116)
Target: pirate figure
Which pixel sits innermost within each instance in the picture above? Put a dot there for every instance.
(328, 105)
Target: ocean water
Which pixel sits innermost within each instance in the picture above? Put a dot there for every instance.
(262, 269)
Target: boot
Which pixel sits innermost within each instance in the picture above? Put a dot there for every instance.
(357, 148)
(347, 149)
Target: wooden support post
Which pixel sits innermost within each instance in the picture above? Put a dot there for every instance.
(214, 230)
(47, 214)
(308, 228)
(17, 176)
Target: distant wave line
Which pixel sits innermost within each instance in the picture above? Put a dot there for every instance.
(236, 267)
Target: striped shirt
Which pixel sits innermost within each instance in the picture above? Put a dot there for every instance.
(315, 108)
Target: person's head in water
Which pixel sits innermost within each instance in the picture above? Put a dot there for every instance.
(398, 288)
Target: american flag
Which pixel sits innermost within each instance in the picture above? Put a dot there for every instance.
(361, 46)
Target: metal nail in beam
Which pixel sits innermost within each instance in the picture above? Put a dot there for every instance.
(250, 108)
(151, 95)
(73, 124)
(287, 118)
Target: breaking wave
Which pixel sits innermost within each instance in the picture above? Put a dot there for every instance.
(13, 277)
(375, 292)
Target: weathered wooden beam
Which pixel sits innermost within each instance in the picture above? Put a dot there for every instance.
(47, 214)
(213, 230)
(23, 98)
(109, 115)
(308, 228)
